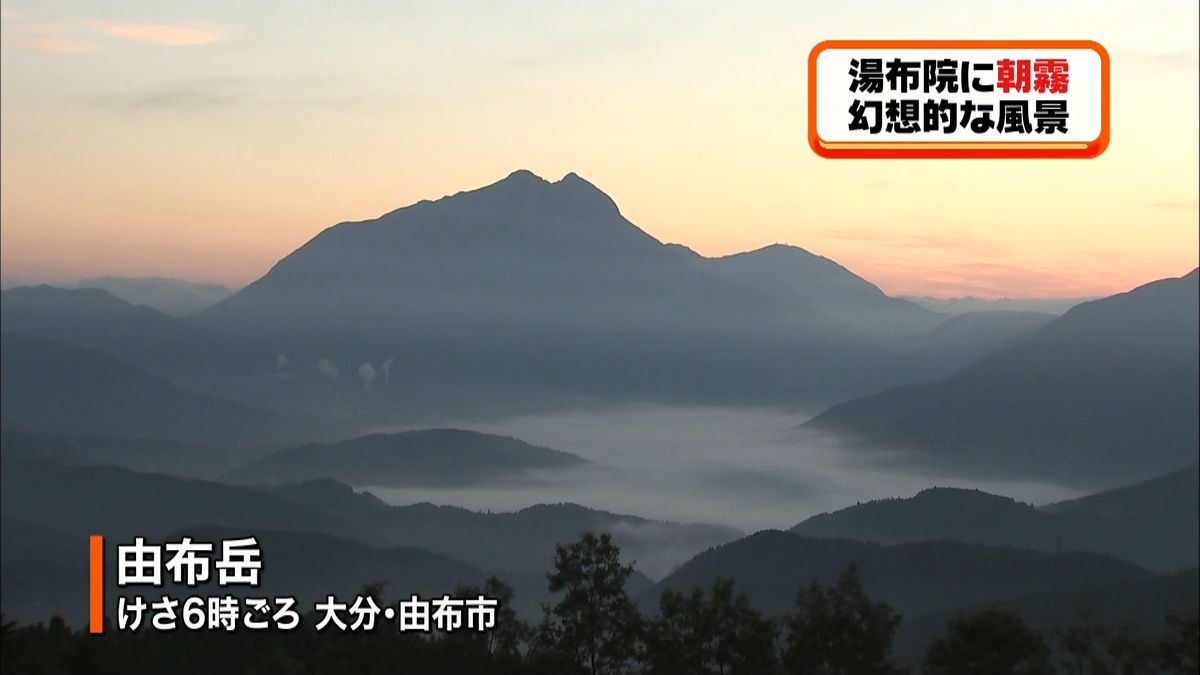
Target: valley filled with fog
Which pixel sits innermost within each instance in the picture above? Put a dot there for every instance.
(750, 469)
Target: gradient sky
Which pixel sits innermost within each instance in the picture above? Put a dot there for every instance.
(206, 140)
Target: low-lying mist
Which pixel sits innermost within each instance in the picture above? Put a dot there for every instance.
(748, 469)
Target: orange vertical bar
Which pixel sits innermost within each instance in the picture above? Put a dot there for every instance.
(96, 591)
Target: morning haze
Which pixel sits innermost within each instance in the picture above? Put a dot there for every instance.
(693, 117)
(435, 306)
(519, 364)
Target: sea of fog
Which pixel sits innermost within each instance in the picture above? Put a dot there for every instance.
(748, 469)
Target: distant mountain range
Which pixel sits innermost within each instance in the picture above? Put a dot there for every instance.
(426, 457)
(947, 550)
(964, 304)
(167, 346)
(53, 388)
(176, 297)
(152, 455)
(969, 336)
(49, 577)
(521, 541)
(171, 296)
(1155, 524)
(1102, 394)
(521, 295)
(322, 536)
(60, 503)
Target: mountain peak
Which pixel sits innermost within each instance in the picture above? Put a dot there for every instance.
(959, 496)
(571, 193)
(778, 249)
(582, 193)
(798, 269)
(523, 176)
(529, 176)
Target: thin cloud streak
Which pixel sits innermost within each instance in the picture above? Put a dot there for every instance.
(990, 280)
(49, 44)
(192, 95)
(159, 33)
(915, 240)
(47, 37)
(199, 94)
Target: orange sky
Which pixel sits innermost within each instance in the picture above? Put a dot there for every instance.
(206, 144)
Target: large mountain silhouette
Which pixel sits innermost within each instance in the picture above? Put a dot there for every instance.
(531, 284)
(1103, 394)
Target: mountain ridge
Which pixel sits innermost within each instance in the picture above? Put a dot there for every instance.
(915, 578)
(570, 296)
(1071, 402)
(1153, 524)
(423, 457)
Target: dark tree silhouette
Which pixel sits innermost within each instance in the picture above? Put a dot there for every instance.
(596, 620)
(505, 641)
(1082, 645)
(698, 635)
(992, 641)
(840, 630)
(1180, 647)
(595, 629)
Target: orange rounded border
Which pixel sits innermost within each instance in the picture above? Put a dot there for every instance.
(963, 150)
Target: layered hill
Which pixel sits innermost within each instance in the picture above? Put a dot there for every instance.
(1102, 394)
(798, 278)
(929, 582)
(165, 345)
(1154, 524)
(53, 388)
(44, 579)
(67, 503)
(172, 296)
(151, 455)
(915, 578)
(427, 457)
